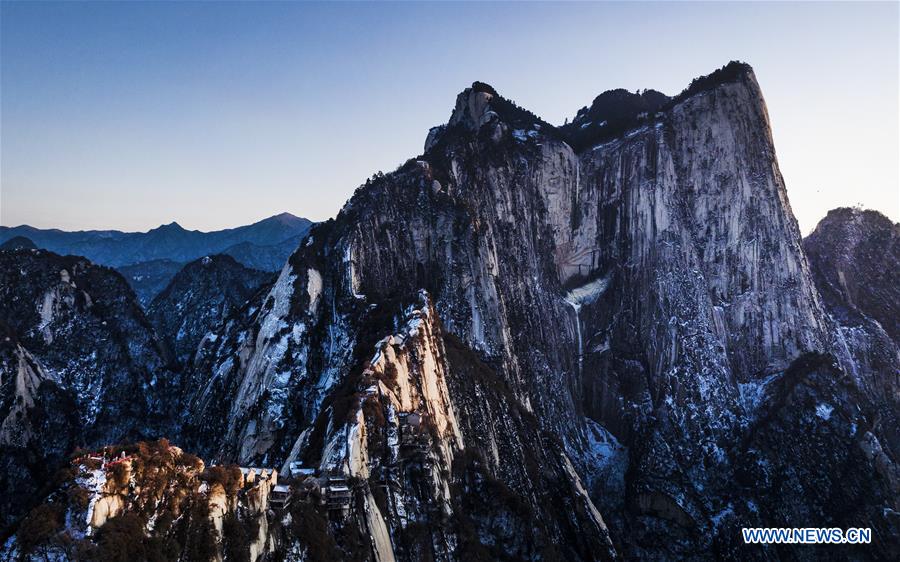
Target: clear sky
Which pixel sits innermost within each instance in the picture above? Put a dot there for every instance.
(130, 115)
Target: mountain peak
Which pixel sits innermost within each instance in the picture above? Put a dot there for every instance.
(287, 219)
(734, 71)
(473, 106)
(483, 87)
(171, 227)
(845, 215)
(479, 105)
(855, 256)
(610, 115)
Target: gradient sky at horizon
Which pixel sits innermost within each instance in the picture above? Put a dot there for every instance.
(131, 115)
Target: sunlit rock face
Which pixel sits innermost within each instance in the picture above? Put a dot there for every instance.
(150, 501)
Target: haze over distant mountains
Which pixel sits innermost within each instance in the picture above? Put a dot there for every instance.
(150, 259)
(169, 241)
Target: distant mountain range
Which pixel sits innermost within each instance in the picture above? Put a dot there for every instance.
(150, 259)
(169, 241)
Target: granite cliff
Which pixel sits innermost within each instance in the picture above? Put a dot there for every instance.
(584, 342)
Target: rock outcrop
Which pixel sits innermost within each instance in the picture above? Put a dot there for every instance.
(149, 501)
(855, 259)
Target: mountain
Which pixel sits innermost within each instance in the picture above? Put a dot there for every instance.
(540, 343)
(855, 259)
(169, 241)
(199, 297)
(18, 243)
(646, 299)
(79, 366)
(149, 278)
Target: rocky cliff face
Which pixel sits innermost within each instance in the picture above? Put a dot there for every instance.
(200, 296)
(80, 366)
(855, 259)
(630, 295)
(583, 342)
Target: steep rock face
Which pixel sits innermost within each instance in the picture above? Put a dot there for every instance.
(814, 451)
(80, 365)
(667, 263)
(689, 280)
(426, 487)
(81, 323)
(200, 296)
(428, 430)
(855, 258)
(623, 333)
(627, 295)
(40, 425)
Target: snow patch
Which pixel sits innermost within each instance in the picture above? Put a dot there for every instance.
(718, 517)
(587, 293)
(753, 393)
(314, 289)
(522, 135)
(824, 411)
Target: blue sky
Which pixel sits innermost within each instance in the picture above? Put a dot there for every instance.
(130, 115)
